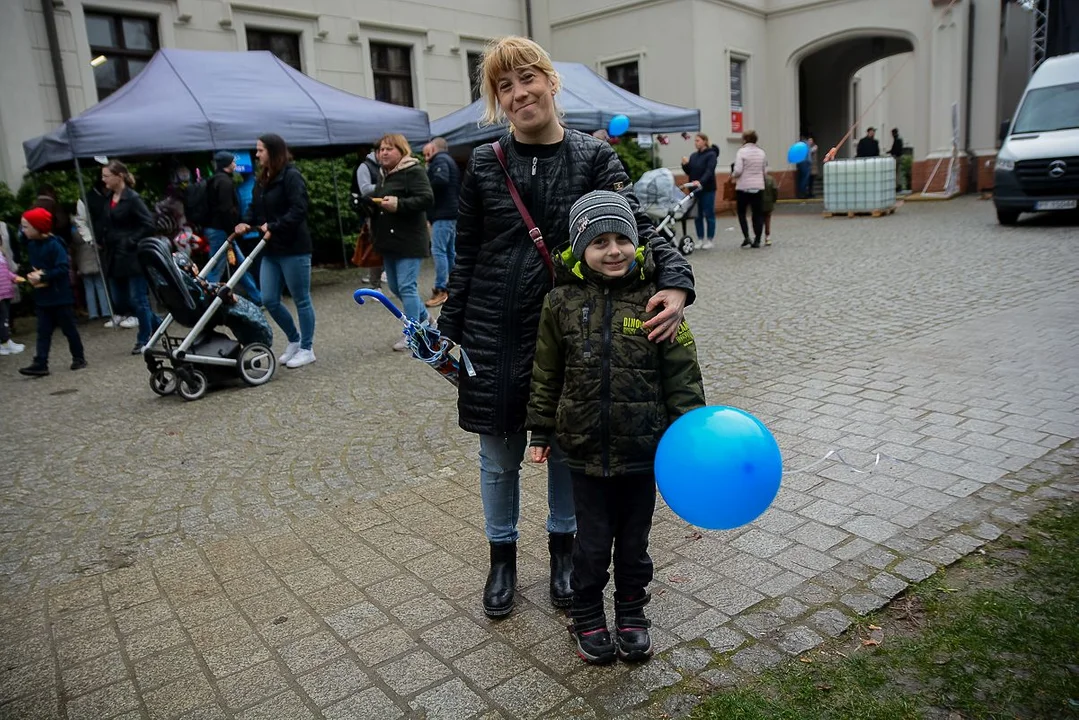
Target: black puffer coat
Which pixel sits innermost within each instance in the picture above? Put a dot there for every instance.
(282, 205)
(121, 228)
(499, 281)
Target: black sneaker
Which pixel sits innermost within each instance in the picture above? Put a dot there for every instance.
(745, 243)
(78, 364)
(634, 640)
(756, 244)
(589, 629)
(137, 350)
(35, 370)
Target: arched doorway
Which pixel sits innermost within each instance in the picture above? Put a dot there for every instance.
(825, 71)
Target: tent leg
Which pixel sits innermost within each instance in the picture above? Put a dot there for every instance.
(93, 240)
(340, 224)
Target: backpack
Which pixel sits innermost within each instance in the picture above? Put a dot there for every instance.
(197, 201)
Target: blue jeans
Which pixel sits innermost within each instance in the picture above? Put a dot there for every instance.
(94, 287)
(293, 272)
(217, 238)
(119, 293)
(500, 487)
(706, 210)
(804, 169)
(401, 275)
(443, 238)
(138, 296)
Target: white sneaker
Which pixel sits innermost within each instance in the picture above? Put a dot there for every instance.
(113, 322)
(384, 279)
(290, 352)
(11, 348)
(129, 322)
(401, 345)
(708, 245)
(767, 240)
(301, 358)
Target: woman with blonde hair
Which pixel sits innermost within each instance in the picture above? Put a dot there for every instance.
(506, 262)
(399, 231)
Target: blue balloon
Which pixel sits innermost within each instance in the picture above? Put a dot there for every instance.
(718, 467)
(798, 152)
(618, 125)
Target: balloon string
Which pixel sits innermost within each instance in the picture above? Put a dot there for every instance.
(839, 456)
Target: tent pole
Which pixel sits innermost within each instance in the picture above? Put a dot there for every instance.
(93, 240)
(340, 225)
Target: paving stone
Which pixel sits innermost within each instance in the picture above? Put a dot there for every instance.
(286, 705)
(452, 700)
(729, 598)
(529, 694)
(887, 585)
(311, 651)
(254, 685)
(454, 637)
(421, 612)
(157, 670)
(689, 659)
(914, 570)
(756, 658)
(333, 682)
(369, 704)
(413, 672)
(356, 620)
(863, 602)
(830, 621)
(181, 696)
(724, 639)
(797, 640)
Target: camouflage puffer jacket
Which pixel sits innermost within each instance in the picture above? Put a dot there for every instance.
(598, 383)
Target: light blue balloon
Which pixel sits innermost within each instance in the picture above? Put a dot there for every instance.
(718, 467)
(618, 125)
(798, 152)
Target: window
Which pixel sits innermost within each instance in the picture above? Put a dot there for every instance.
(475, 61)
(391, 68)
(285, 46)
(737, 94)
(120, 46)
(625, 76)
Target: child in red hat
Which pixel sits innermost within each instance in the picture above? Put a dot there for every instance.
(54, 302)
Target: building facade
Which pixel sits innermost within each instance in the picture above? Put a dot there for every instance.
(782, 67)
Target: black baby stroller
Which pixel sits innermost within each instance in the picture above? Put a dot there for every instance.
(188, 365)
(661, 199)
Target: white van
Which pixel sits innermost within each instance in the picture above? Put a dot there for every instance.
(1037, 167)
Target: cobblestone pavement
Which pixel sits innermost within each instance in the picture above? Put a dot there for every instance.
(314, 547)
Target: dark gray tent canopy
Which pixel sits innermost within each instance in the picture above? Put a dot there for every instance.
(589, 103)
(192, 100)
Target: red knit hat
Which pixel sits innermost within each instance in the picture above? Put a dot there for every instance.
(40, 219)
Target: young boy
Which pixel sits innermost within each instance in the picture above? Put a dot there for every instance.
(54, 301)
(607, 394)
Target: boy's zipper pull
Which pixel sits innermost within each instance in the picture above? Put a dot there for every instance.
(535, 160)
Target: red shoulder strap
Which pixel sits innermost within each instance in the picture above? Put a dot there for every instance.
(533, 231)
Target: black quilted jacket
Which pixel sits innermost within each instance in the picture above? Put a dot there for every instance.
(498, 283)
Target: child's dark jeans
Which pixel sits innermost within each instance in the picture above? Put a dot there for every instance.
(618, 511)
(5, 320)
(50, 318)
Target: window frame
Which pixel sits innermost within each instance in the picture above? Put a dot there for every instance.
(635, 61)
(121, 52)
(377, 73)
(267, 32)
(745, 58)
(475, 82)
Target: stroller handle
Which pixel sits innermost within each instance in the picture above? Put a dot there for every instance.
(360, 294)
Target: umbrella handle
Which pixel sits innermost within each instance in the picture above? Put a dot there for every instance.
(360, 294)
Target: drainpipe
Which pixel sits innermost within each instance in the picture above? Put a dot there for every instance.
(528, 18)
(972, 163)
(57, 61)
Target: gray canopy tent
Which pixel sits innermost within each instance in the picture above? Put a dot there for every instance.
(589, 102)
(193, 100)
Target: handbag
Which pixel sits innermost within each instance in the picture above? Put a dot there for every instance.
(365, 255)
(533, 232)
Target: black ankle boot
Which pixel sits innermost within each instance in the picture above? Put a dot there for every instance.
(501, 580)
(634, 642)
(589, 629)
(561, 547)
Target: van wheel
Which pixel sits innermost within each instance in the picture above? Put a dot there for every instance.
(1007, 217)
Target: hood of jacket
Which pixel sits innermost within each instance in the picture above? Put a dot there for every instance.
(405, 164)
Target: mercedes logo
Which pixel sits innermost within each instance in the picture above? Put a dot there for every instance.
(1057, 168)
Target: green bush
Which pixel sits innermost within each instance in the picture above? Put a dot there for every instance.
(322, 210)
(638, 160)
(906, 168)
(9, 206)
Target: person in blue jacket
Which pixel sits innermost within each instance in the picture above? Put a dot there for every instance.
(54, 302)
(700, 168)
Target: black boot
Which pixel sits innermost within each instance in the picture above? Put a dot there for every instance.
(745, 242)
(35, 369)
(501, 580)
(589, 629)
(634, 642)
(561, 547)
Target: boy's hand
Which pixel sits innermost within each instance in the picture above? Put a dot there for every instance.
(664, 326)
(539, 454)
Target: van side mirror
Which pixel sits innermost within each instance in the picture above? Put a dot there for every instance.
(1004, 127)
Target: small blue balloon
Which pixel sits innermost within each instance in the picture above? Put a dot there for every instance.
(798, 152)
(618, 125)
(718, 467)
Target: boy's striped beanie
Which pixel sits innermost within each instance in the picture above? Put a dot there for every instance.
(598, 212)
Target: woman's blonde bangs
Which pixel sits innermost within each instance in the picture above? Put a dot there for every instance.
(511, 53)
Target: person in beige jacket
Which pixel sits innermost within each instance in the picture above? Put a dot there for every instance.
(750, 167)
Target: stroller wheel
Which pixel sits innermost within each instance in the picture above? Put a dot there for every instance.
(194, 386)
(256, 364)
(163, 381)
(686, 245)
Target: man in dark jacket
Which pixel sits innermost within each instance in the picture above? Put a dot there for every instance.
(445, 181)
(700, 168)
(224, 206)
(896, 151)
(869, 146)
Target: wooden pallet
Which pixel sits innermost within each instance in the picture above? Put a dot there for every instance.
(868, 213)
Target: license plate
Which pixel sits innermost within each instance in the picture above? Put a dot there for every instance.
(1055, 205)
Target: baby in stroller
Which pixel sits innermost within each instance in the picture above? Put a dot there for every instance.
(187, 365)
(661, 199)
